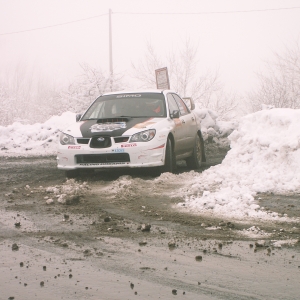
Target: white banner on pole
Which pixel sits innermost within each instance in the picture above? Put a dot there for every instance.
(162, 79)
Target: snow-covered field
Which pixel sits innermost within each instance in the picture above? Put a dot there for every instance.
(264, 157)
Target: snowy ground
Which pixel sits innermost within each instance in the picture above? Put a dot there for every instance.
(264, 158)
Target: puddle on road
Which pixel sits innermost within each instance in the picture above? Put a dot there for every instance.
(151, 270)
(29, 273)
(17, 220)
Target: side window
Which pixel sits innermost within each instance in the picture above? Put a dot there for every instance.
(172, 103)
(182, 106)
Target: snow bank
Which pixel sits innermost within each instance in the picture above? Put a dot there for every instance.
(35, 139)
(41, 139)
(215, 132)
(264, 157)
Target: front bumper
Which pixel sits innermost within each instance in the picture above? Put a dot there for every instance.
(127, 155)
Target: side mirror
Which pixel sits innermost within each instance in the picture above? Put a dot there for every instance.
(189, 102)
(175, 114)
(78, 117)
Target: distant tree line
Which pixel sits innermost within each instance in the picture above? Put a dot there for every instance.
(28, 98)
(31, 99)
(279, 84)
(183, 67)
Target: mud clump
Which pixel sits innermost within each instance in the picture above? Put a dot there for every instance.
(107, 219)
(14, 247)
(198, 258)
(145, 227)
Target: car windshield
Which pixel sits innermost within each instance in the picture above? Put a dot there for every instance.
(127, 105)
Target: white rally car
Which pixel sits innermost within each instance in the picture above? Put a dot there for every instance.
(149, 128)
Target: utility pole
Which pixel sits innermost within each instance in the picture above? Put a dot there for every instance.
(110, 52)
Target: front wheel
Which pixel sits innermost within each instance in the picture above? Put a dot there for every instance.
(194, 162)
(170, 162)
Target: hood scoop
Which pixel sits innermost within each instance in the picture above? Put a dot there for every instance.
(112, 120)
(109, 124)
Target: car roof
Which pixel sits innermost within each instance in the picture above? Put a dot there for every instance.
(137, 91)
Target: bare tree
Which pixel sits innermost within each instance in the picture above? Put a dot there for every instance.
(144, 71)
(205, 88)
(279, 85)
(16, 88)
(27, 96)
(88, 86)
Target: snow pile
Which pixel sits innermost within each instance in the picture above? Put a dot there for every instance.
(35, 139)
(254, 232)
(68, 193)
(290, 242)
(213, 130)
(264, 157)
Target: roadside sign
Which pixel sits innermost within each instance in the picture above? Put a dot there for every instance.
(162, 79)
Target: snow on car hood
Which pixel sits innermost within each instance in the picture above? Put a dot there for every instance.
(111, 126)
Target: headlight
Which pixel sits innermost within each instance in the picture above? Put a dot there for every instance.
(66, 139)
(144, 136)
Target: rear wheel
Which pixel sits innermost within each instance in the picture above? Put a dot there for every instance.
(170, 162)
(194, 162)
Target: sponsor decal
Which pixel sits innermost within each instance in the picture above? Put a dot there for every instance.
(129, 96)
(101, 164)
(109, 126)
(161, 146)
(143, 125)
(119, 126)
(118, 150)
(74, 147)
(128, 145)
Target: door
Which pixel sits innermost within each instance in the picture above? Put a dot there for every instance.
(189, 125)
(178, 130)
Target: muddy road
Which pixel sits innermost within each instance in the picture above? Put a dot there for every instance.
(103, 237)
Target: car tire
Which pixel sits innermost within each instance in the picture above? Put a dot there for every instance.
(170, 162)
(194, 162)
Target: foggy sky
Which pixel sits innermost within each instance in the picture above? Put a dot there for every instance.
(227, 37)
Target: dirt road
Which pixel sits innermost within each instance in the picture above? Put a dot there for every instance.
(100, 237)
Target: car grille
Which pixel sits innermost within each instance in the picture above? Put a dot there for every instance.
(121, 139)
(102, 158)
(100, 142)
(83, 141)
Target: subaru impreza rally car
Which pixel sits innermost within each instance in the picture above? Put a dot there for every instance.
(133, 129)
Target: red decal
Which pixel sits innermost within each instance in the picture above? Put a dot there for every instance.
(161, 146)
(128, 145)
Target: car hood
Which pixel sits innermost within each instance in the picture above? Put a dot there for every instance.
(111, 127)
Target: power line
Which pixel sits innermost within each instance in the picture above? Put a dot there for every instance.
(50, 26)
(209, 12)
(154, 13)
